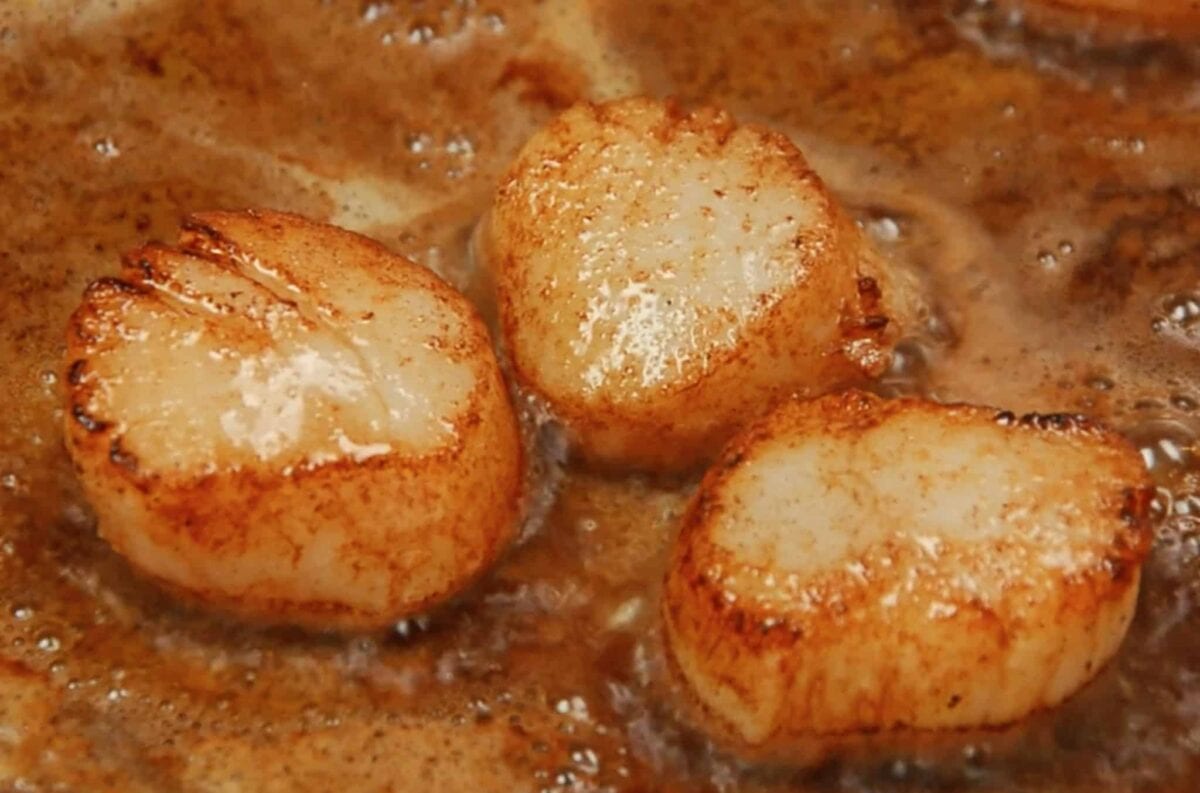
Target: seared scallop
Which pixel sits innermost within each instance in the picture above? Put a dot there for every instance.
(286, 420)
(854, 571)
(661, 276)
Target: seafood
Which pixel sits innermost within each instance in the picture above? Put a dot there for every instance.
(854, 570)
(662, 276)
(287, 421)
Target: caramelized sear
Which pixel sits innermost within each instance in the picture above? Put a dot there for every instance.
(856, 573)
(662, 276)
(287, 421)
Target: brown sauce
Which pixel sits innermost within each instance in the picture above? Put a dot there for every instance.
(1047, 189)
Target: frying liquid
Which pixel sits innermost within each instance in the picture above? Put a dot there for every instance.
(1046, 190)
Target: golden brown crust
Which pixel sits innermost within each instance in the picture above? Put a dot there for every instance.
(759, 650)
(829, 325)
(424, 520)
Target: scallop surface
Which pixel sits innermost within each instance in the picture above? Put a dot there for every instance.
(855, 571)
(663, 275)
(284, 419)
